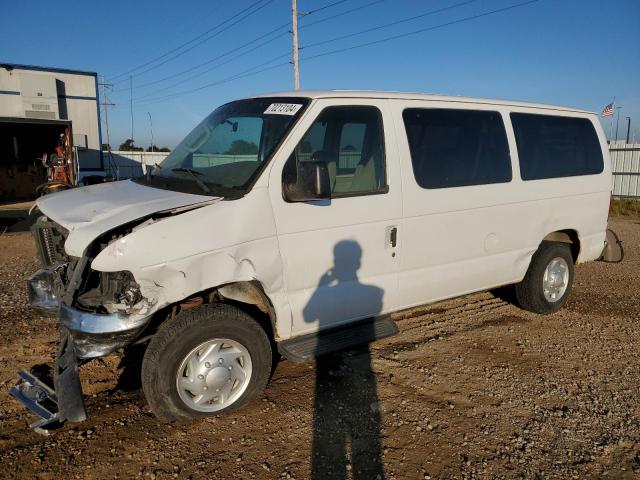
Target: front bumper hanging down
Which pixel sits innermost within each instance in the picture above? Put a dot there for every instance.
(85, 336)
(66, 396)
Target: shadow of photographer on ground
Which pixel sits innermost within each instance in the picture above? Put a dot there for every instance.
(346, 423)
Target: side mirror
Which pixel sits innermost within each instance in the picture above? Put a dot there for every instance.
(312, 182)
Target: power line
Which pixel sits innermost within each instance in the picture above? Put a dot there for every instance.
(391, 24)
(187, 42)
(294, 36)
(245, 73)
(153, 67)
(422, 30)
(234, 50)
(252, 71)
(346, 12)
(195, 39)
(177, 84)
(323, 8)
(226, 54)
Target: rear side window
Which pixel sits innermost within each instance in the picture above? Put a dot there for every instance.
(552, 147)
(455, 148)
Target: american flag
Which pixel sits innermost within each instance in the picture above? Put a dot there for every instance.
(608, 110)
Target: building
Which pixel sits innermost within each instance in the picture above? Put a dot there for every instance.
(38, 105)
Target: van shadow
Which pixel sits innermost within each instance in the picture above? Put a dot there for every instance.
(346, 422)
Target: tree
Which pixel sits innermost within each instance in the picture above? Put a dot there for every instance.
(128, 146)
(242, 147)
(155, 148)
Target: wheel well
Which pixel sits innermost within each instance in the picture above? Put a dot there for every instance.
(566, 236)
(248, 296)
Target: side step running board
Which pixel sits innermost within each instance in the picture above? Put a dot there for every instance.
(307, 347)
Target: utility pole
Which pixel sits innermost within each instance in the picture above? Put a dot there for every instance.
(131, 105)
(112, 167)
(628, 128)
(106, 104)
(617, 121)
(151, 129)
(294, 24)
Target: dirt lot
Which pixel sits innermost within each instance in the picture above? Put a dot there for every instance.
(470, 388)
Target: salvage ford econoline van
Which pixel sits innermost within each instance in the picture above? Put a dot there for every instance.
(296, 222)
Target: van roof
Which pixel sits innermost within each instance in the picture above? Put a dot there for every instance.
(415, 96)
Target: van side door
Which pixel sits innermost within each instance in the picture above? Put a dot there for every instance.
(339, 254)
(459, 201)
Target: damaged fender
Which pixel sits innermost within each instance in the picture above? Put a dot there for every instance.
(218, 244)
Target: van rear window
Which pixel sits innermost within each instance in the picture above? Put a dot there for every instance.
(553, 147)
(454, 148)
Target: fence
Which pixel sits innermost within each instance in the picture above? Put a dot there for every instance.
(124, 164)
(625, 166)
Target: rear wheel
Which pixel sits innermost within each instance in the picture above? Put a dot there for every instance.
(206, 360)
(547, 284)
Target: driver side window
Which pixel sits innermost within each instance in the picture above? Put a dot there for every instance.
(349, 140)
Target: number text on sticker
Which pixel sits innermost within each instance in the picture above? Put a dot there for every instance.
(283, 108)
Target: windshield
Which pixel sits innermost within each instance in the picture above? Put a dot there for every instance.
(225, 153)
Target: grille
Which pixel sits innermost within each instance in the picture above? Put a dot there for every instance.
(48, 248)
(49, 239)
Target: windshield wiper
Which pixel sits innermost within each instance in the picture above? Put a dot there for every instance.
(194, 174)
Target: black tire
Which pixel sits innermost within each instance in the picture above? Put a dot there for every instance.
(180, 335)
(529, 293)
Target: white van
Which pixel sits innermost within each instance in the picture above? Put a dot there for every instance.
(296, 222)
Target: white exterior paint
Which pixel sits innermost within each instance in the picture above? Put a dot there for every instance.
(309, 231)
(451, 241)
(483, 236)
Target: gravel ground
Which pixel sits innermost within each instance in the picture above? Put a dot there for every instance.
(469, 388)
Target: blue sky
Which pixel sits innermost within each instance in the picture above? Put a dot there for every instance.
(579, 53)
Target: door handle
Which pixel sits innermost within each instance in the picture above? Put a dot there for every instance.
(393, 236)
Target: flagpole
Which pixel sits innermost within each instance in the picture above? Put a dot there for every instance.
(613, 106)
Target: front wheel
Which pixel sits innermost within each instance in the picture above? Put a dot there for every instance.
(204, 361)
(547, 284)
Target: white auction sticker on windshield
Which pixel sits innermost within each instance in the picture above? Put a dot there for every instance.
(283, 108)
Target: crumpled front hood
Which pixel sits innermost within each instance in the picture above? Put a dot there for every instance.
(88, 212)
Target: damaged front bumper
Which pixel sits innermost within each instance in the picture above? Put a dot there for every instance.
(86, 335)
(96, 335)
(93, 334)
(63, 402)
